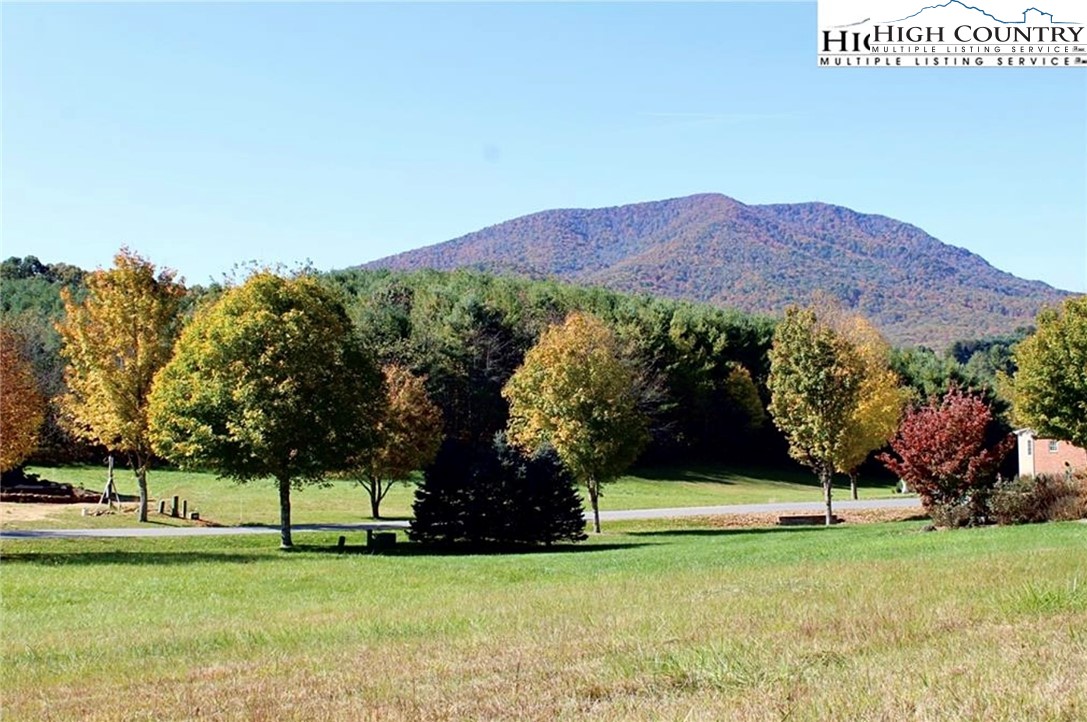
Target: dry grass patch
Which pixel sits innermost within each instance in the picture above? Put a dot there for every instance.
(848, 516)
(13, 512)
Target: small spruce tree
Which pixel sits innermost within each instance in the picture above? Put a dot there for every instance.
(496, 495)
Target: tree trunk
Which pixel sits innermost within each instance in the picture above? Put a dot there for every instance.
(853, 485)
(284, 513)
(826, 475)
(141, 482)
(594, 500)
(375, 499)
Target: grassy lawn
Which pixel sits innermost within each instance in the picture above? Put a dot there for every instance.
(713, 485)
(342, 502)
(653, 621)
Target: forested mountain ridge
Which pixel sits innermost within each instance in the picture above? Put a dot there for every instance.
(701, 370)
(712, 248)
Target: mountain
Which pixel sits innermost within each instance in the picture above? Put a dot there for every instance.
(956, 11)
(758, 258)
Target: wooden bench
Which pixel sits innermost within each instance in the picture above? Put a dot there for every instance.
(378, 540)
(375, 541)
(807, 519)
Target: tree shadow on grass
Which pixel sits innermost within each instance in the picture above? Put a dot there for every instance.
(685, 474)
(385, 523)
(413, 549)
(129, 558)
(745, 475)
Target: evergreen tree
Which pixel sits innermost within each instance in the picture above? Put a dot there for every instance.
(496, 495)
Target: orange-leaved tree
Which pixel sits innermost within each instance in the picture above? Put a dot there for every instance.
(408, 434)
(22, 406)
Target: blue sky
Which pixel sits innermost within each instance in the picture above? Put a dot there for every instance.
(203, 135)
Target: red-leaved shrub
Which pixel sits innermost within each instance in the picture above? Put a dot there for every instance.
(940, 452)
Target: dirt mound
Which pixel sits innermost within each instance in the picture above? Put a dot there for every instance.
(18, 486)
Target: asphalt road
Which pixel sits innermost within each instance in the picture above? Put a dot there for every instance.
(801, 507)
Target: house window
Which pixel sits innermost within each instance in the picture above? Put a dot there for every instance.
(1053, 447)
(1030, 446)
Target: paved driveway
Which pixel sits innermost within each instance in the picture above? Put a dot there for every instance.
(802, 507)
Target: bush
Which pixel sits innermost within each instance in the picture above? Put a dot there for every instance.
(945, 451)
(952, 515)
(496, 495)
(1046, 497)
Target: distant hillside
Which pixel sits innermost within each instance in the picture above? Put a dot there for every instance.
(760, 259)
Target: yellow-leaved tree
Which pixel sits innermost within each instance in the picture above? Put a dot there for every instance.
(575, 393)
(880, 401)
(815, 385)
(115, 340)
(22, 406)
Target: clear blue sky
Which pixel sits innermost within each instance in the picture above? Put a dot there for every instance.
(203, 135)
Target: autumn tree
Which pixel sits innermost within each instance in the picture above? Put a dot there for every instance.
(269, 381)
(575, 393)
(873, 423)
(816, 379)
(943, 451)
(408, 435)
(880, 399)
(22, 406)
(1050, 388)
(115, 339)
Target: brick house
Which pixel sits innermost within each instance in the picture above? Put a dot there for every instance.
(1047, 456)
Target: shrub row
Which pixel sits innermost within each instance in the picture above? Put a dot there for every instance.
(1021, 500)
(1046, 497)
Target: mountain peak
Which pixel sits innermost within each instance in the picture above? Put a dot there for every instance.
(759, 258)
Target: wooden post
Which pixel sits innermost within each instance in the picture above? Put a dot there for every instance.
(341, 543)
(111, 492)
(369, 538)
(162, 506)
(184, 508)
(173, 507)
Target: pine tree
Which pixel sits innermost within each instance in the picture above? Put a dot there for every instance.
(496, 495)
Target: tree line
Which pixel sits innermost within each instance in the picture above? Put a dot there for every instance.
(601, 378)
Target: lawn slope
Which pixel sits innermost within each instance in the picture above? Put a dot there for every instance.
(876, 622)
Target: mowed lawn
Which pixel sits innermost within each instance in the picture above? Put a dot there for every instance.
(650, 621)
(224, 502)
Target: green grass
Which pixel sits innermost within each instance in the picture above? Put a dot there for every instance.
(704, 485)
(649, 621)
(343, 502)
